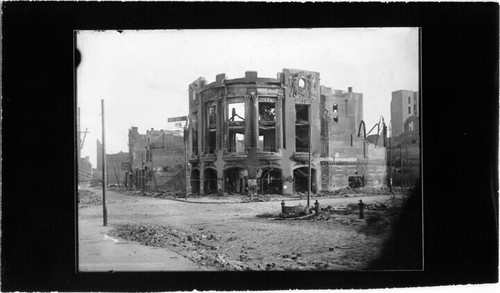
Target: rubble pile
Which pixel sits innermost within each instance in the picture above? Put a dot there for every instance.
(255, 198)
(156, 194)
(88, 198)
(352, 192)
(202, 248)
(298, 212)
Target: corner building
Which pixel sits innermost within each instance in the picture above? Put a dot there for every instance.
(252, 134)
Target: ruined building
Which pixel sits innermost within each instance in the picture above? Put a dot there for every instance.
(403, 148)
(84, 171)
(255, 133)
(156, 159)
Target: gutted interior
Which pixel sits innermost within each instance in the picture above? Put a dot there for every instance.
(236, 180)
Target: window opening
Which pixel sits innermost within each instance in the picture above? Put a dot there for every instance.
(195, 181)
(211, 116)
(415, 109)
(409, 110)
(301, 180)
(269, 181)
(210, 182)
(237, 112)
(335, 108)
(267, 112)
(236, 180)
(409, 100)
(236, 126)
(267, 127)
(301, 128)
(212, 128)
(336, 118)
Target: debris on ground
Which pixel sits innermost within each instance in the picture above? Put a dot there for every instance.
(202, 248)
(352, 192)
(87, 198)
(255, 198)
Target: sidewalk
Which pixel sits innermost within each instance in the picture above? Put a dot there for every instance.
(100, 252)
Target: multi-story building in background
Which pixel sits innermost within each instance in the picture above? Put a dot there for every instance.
(404, 104)
(255, 133)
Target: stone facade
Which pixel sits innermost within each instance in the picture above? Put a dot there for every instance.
(254, 134)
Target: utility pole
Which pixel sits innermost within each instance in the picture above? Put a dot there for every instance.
(79, 149)
(104, 175)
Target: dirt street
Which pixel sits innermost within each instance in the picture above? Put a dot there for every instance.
(231, 236)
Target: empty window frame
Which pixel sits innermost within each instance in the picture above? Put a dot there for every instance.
(409, 110)
(236, 127)
(336, 118)
(409, 100)
(301, 113)
(236, 112)
(267, 127)
(212, 114)
(301, 128)
(335, 108)
(267, 111)
(236, 143)
(211, 129)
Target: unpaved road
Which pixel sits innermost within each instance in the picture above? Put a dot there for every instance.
(256, 243)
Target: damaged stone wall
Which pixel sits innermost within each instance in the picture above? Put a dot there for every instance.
(296, 101)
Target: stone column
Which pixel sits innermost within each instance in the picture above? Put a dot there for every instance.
(224, 128)
(248, 125)
(253, 122)
(202, 178)
(279, 122)
(218, 126)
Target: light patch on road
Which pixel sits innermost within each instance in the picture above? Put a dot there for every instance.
(110, 238)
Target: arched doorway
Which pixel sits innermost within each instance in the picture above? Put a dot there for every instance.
(210, 181)
(301, 182)
(236, 180)
(270, 181)
(195, 181)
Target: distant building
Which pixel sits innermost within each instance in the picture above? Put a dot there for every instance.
(404, 104)
(156, 159)
(252, 133)
(84, 172)
(116, 165)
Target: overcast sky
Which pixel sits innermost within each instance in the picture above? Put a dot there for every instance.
(143, 76)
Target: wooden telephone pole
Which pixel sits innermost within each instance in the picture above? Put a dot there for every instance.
(104, 210)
